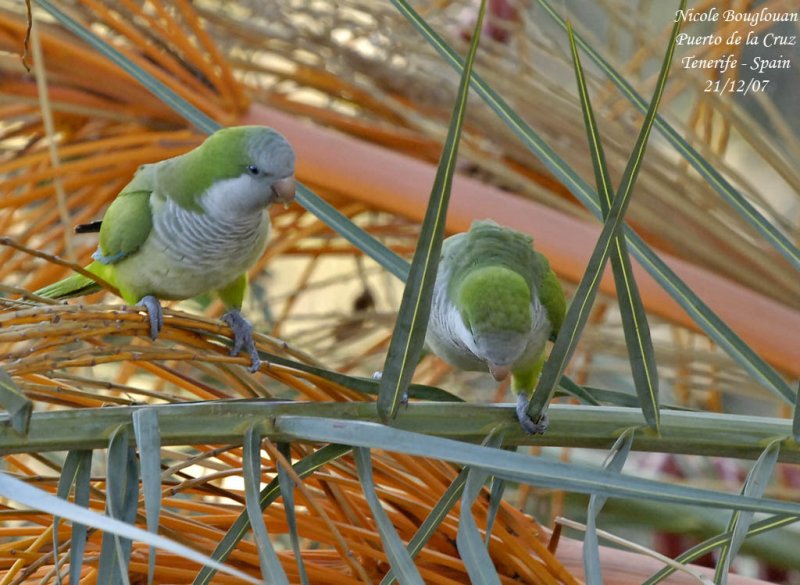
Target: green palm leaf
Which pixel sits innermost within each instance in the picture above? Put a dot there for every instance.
(408, 338)
(578, 312)
(701, 313)
(634, 320)
(749, 213)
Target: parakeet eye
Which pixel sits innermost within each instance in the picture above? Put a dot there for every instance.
(253, 170)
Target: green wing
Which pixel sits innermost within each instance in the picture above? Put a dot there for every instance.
(488, 244)
(124, 228)
(129, 219)
(551, 294)
(126, 225)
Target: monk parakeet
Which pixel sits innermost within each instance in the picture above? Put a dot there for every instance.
(495, 304)
(192, 224)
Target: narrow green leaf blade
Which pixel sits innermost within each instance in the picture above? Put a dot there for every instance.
(701, 313)
(271, 568)
(709, 321)
(634, 319)
(16, 404)
(746, 210)
(577, 391)
(591, 545)
(196, 117)
(517, 466)
(65, 481)
(148, 439)
(399, 559)
(412, 319)
(75, 471)
(269, 494)
(539, 147)
(362, 385)
(342, 225)
(37, 499)
(438, 513)
(578, 312)
(755, 485)
(495, 439)
(79, 530)
(122, 502)
(796, 417)
(287, 493)
(495, 499)
(707, 546)
(471, 547)
(636, 328)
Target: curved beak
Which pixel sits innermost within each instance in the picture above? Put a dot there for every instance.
(284, 190)
(499, 373)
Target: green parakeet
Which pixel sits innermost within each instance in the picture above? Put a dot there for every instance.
(495, 304)
(192, 224)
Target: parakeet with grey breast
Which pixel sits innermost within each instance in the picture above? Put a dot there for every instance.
(495, 304)
(192, 224)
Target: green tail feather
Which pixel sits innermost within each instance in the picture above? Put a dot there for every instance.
(72, 286)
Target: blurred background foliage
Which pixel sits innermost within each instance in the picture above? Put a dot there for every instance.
(357, 69)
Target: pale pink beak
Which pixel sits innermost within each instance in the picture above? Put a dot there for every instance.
(499, 373)
(284, 190)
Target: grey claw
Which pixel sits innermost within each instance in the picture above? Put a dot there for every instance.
(242, 337)
(155, 314)
(529, 426)
(404, 399)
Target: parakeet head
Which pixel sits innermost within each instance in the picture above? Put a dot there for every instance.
(495, 305)
(239, 170)
(270, 163)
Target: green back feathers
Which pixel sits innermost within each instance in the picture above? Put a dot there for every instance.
(500, 264)
(488, 244)
(552, 295)
(492, 272)
(494, 298)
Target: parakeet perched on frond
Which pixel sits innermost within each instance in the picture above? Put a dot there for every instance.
(192, 224)
(495, 304)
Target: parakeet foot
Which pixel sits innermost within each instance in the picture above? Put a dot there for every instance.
(154, 312)
(242, 337)
(527, 424)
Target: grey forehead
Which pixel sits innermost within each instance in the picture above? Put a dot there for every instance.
(272, 148)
